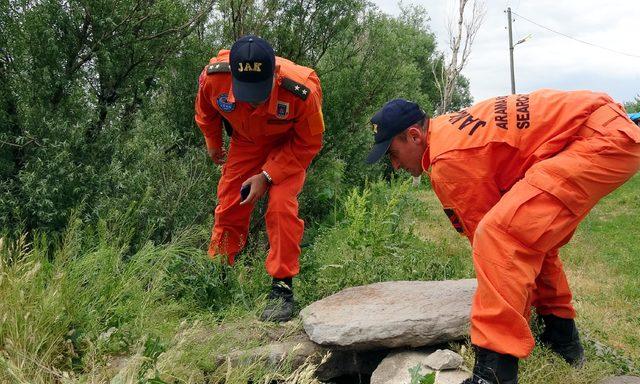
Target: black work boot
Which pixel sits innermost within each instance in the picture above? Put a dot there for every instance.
(561, 335)
(280, 302)
(493, 368)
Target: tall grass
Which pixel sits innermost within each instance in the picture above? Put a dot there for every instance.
(67, 307)
(101, 302)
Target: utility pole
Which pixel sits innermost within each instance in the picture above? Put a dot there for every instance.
(513, 77)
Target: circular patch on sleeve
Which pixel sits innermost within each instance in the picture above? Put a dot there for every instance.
(224, 104)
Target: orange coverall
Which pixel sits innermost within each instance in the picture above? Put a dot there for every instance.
(516, 175)
(281, 137)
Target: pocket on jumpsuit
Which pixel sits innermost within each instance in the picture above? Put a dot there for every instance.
(611, 117)
(627, 127)
(533, 215)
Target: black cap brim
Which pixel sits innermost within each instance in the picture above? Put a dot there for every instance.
(252, 92)
(378, 151)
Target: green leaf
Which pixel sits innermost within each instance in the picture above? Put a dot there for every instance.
(429, 378)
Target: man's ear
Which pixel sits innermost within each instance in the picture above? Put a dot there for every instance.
(415, 134)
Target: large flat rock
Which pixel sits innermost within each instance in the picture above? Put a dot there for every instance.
(392, 314)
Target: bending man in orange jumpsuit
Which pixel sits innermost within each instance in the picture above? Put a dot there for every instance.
(516, 175)
(274, 108)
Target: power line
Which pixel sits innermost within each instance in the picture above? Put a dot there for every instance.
(573, 38)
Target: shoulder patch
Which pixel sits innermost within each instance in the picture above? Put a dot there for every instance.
(296, 88)
(217, 68)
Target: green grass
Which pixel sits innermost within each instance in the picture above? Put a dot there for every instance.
(93, 308)
(604, 266)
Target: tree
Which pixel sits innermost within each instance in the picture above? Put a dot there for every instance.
(633, 106)
(73, 76)
(460, 44)
(301, 31)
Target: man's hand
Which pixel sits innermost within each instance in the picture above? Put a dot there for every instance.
(259, 185)
(218, 155)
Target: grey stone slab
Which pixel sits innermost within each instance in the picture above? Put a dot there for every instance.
(392, 314)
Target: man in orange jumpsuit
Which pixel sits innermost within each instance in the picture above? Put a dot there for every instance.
(516, 175)
(274, 108)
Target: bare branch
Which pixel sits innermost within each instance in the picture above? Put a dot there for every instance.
(460, 44)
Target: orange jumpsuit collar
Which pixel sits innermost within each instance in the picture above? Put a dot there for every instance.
(231, 98)
(273, 98)
(426, 161)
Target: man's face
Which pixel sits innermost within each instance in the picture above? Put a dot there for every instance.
(256, 104)
(406, 152)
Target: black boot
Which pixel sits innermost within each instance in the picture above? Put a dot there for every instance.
(561, 335)
(280, 302)
(493, 368)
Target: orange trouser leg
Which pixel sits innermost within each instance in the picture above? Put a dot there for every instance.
(516, 239)
(512, 246)
(284, 227)
(231, 224)
(551, 295)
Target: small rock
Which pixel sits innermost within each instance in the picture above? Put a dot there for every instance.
(452, 377)
(444, 359)
(622, 380)
(106, 335)
(394, 369)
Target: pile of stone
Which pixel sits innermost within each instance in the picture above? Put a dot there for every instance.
(382, 331)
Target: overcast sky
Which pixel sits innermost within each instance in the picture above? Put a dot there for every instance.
(546, 59)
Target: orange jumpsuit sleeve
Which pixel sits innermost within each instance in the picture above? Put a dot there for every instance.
(296, 154)
(206, 116)
(466, 193)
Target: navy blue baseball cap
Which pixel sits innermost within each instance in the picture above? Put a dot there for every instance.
(253, 65)
(393, 118)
